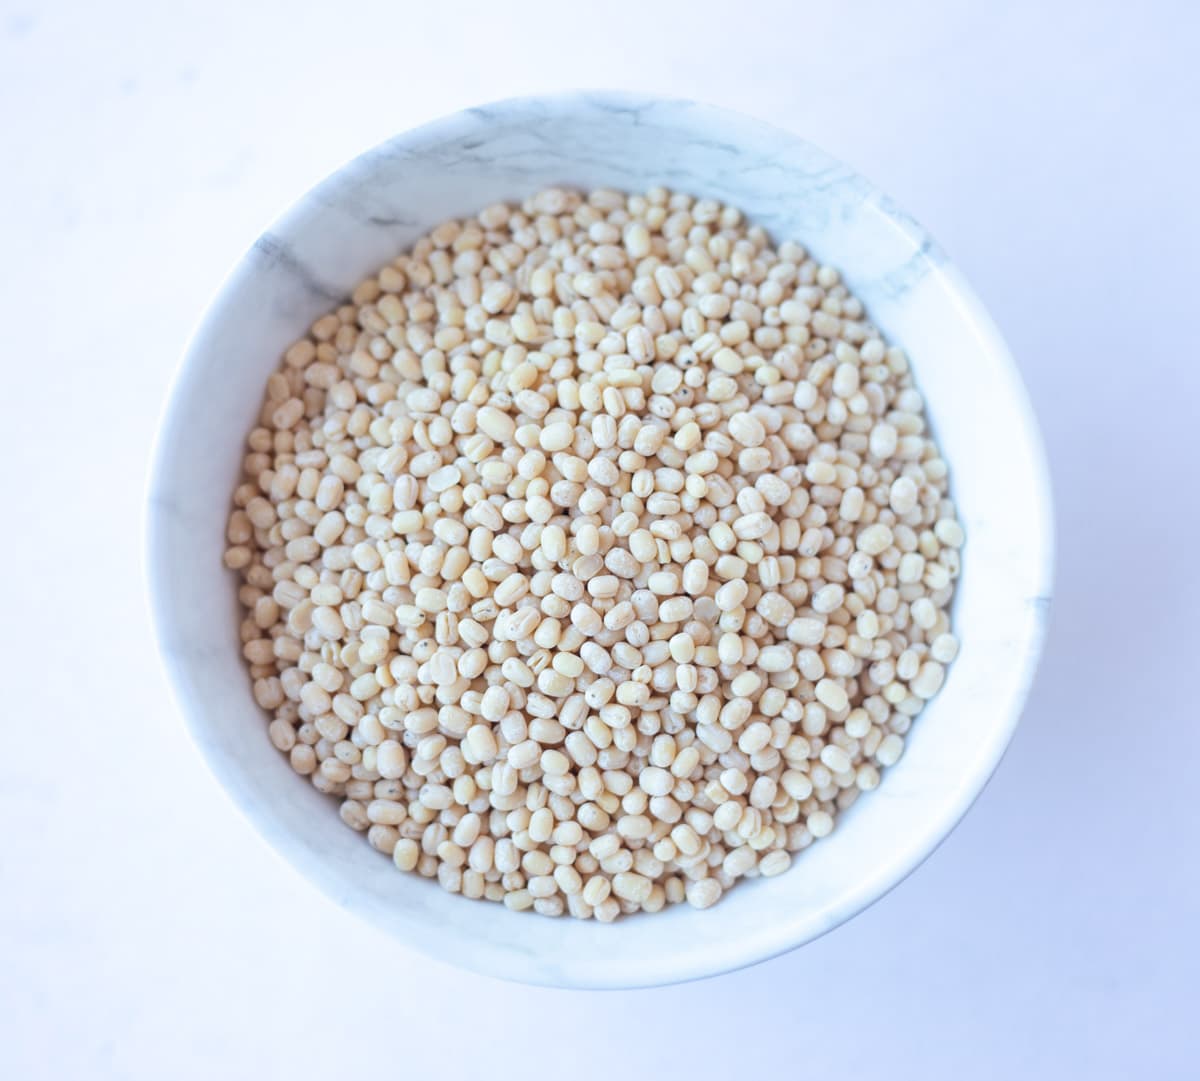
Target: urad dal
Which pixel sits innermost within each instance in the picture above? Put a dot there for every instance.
(595, 555)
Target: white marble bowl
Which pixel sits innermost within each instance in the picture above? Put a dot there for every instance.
(367, 213)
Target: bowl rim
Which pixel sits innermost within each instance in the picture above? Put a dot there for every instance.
(764, 945)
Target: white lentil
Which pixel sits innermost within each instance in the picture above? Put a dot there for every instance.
(591, 579)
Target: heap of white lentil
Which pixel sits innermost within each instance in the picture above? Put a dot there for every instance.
(595, 555)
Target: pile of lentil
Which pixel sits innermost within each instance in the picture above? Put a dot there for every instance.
(595, 555)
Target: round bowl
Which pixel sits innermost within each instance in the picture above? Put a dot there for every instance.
(366, 214)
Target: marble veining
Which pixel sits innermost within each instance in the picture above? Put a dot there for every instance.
(378, 204)
(279, 256)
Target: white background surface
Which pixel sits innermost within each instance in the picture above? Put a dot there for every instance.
(145, 932)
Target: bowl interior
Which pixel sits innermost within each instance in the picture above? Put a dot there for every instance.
(369, 212)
